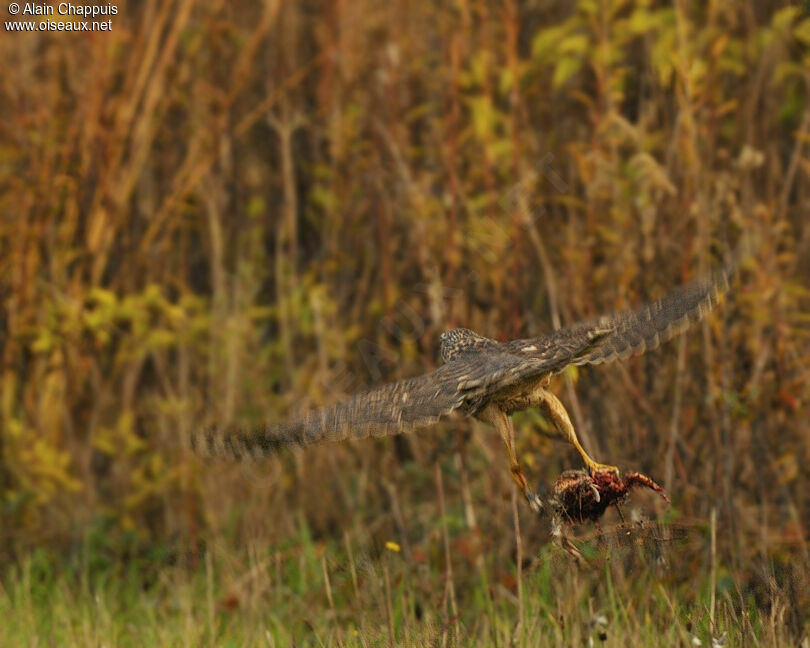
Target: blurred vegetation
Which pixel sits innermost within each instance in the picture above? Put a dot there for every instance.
(241, 210)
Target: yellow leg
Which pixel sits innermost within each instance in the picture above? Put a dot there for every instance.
(501, 421)
(556, 412)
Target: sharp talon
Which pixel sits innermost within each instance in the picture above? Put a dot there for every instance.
(535, 504)
(597, 467)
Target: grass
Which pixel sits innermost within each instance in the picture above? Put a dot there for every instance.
(243, 209)
(354, 593)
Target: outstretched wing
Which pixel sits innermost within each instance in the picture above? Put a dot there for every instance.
(623, 334)
(464, 384)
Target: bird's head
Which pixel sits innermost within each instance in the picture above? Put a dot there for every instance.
(452, 342)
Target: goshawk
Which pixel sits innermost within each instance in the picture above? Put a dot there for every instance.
(483, 378)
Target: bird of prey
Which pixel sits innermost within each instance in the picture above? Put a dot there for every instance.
(483, 378)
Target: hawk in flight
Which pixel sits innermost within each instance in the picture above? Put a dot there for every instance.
(483, 378)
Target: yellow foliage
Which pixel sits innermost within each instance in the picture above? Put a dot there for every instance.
(224, 218)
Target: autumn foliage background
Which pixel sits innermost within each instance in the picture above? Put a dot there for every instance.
(236, 211)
